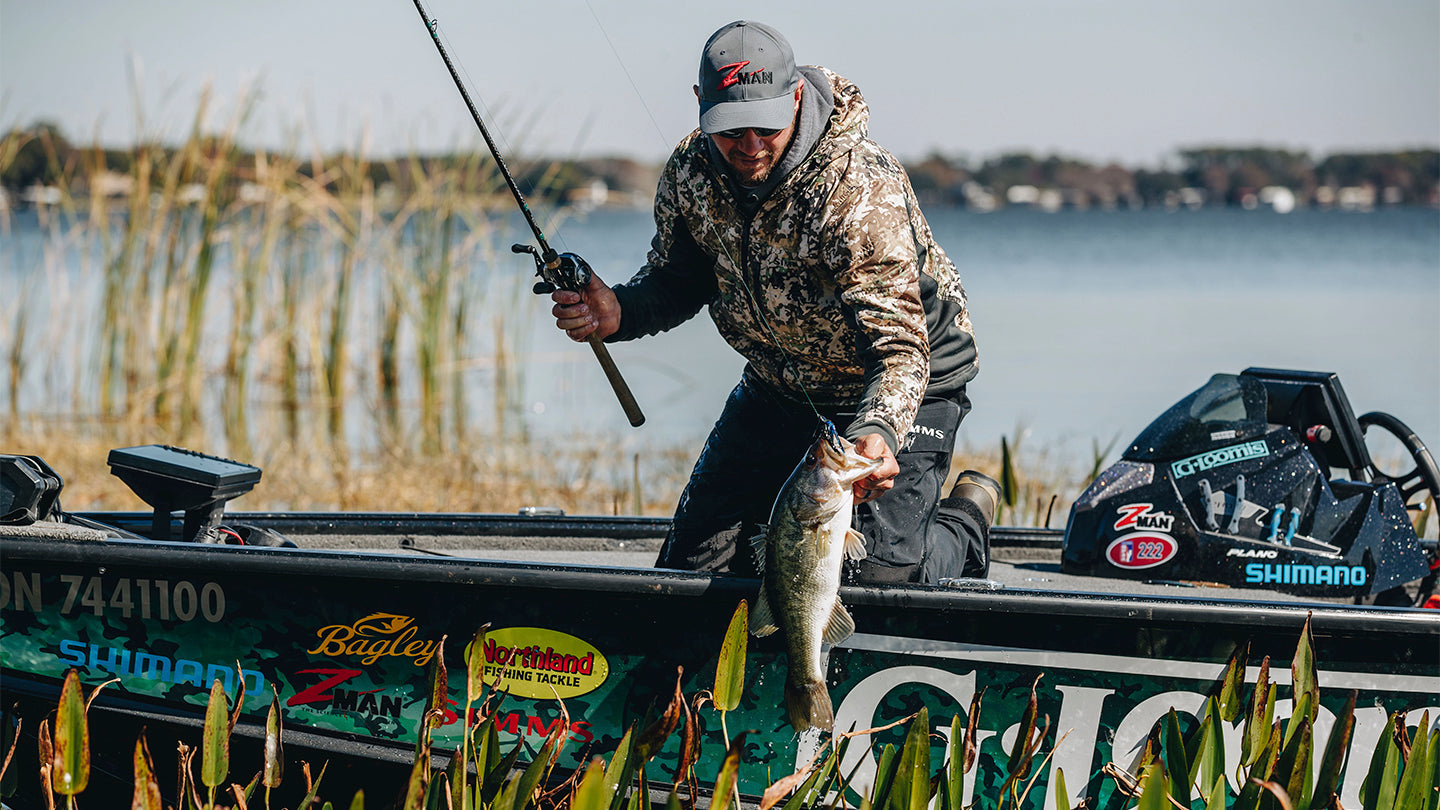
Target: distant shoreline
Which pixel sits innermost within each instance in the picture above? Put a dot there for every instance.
(41, 166)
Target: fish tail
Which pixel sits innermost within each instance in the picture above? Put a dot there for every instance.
(808, 705)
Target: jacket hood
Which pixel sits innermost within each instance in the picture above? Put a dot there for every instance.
(850, 118)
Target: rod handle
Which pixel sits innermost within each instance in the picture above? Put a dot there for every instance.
(617, 382)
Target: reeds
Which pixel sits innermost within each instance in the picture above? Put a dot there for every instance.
(1038, 485)
(328, 318)
(333, 313)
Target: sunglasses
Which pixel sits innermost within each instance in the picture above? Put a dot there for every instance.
(736, 134)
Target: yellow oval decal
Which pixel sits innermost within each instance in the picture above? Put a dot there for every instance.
(534, 662)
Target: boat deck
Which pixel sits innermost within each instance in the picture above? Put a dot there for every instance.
(1023, 559)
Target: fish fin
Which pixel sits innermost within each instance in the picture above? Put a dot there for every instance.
(757, 552)
(808, 705)
(854, 545)
(762, 621)
(840, 626)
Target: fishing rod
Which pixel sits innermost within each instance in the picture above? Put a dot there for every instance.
(565, 271)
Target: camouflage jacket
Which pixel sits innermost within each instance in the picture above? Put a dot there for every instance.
(833, 287)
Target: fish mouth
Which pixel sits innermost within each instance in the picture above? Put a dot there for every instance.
(838, 453)
(834, 449)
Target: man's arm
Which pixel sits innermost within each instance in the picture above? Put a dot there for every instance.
(876, 253)
(675, 283)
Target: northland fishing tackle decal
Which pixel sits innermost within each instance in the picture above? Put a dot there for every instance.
(538, 663)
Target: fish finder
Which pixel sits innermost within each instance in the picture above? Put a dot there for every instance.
(171, 479)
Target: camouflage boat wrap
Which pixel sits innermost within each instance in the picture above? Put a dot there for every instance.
(346, 639)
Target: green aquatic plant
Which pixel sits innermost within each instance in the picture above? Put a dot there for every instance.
(70, 755)
(147, 789)
(730, 665)
(1279, 767)
(1009, 480)
(1098, 456)
(1030, 495)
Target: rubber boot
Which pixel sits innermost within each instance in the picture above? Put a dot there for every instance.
(980, 490)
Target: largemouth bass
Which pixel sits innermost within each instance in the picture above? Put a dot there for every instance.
(800, 560)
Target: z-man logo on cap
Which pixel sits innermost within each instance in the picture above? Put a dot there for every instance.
(734, 76)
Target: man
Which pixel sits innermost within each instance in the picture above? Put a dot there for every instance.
(806, 242)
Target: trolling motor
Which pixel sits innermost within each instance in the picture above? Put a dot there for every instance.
(565, 271)
(29, 490)
(1261, 480)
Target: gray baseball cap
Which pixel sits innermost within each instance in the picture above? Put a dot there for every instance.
(747, 79)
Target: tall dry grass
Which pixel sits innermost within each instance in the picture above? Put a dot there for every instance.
(347, 335)
(343, 323)
(351, 325)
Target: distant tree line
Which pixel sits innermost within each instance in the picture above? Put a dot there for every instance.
(42, 156)
(1210, 176)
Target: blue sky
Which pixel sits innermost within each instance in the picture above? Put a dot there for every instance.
(1125, 80)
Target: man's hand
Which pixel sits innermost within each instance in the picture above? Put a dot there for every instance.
(872, 445)
(594, 310)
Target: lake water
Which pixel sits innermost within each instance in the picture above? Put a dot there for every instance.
(1090, 323)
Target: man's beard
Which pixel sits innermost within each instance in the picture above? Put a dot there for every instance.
(762, 172)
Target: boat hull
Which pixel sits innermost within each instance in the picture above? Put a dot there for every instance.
(346, 640)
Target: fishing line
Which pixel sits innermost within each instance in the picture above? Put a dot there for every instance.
(739, 267)
(623, 69)
(551, 220)
(566, 271)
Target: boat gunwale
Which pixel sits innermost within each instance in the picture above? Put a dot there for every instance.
(412, 568)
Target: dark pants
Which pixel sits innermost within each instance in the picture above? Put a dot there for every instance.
(910, 534)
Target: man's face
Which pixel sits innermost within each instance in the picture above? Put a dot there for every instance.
(753, 155)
